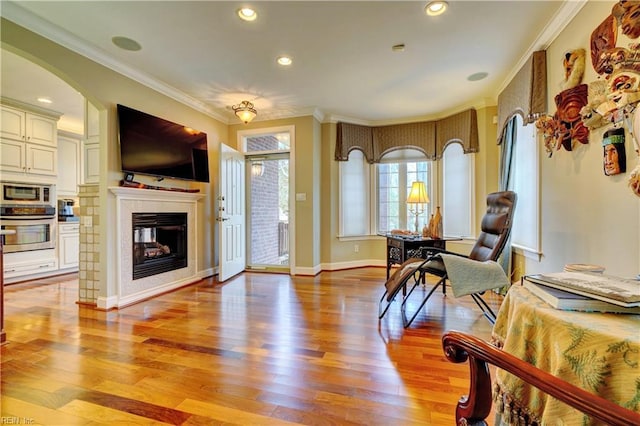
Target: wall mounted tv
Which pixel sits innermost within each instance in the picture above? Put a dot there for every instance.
(153, 146)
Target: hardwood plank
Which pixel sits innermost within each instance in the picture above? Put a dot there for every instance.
(258, 349)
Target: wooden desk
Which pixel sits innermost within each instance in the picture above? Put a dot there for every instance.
(401, 248)
(597, 352)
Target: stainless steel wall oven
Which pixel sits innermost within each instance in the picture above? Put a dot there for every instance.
(30, 211)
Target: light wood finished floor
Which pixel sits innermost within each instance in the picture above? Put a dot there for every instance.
(259, 349)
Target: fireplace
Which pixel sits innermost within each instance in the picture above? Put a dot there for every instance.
(159, 243)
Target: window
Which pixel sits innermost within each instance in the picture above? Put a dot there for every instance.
(524, 181)
(355, 196)
(458, 193)
(373, 197)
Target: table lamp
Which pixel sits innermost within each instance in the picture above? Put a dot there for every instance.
(417, 196)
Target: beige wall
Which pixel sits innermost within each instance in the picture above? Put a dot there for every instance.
(587, 217)
(576, 196)
(306, 162)
(105, 88)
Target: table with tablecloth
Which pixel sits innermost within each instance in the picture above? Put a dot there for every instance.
(595, 351)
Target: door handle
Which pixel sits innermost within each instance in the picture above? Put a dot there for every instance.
(222, 219)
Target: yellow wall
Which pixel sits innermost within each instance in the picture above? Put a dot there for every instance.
(105, 88)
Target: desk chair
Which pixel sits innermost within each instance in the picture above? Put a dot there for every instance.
(473, 274)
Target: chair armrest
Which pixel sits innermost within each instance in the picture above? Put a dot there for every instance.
(475, 407)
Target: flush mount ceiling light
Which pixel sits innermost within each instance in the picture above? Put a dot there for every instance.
(284, 60)
(45, 100)
(245, 111)
(247, 14)
(126, 43)
(436, 8)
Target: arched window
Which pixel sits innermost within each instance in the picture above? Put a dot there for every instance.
(458, 192)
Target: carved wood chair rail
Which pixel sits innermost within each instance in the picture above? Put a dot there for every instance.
(475, 407)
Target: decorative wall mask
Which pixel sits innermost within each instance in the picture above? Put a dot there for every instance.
(597, 96)
(573, 64)
(619, 65)
(614, 153)
(603, 39)
(565, 128)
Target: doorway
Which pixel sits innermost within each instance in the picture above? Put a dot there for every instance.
(269, 185)
(268, 212)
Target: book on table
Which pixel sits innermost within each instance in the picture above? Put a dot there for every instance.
(567, 301)
(618, 291)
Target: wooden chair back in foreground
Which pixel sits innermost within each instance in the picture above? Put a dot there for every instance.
(474, 408)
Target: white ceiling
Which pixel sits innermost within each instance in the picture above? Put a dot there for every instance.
(343, 65)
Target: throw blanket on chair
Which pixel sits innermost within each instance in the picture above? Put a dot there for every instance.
(468, 276)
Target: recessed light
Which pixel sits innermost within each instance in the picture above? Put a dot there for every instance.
(477, 76)
(126, 43)
(247, 14)
(284, 60)
(398, 47)
(44, 100)
(436, 8)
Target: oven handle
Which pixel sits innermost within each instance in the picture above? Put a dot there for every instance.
(26, 217)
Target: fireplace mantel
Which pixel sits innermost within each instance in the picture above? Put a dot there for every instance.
(153, 194)
(135, 200)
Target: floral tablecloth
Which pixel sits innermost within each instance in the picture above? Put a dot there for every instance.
(597, 352)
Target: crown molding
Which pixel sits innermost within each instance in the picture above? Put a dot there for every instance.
(35, 24)
(565, 14)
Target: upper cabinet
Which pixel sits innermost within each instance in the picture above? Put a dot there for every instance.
(28, 144)
(28, 127)
(69, 163)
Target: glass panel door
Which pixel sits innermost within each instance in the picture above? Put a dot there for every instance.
(268, 215)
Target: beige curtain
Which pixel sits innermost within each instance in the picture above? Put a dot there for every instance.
(420, 136)
(526, 94)
(462, 127)
(429, 137)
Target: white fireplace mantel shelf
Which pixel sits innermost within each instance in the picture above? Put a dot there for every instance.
(154, 194)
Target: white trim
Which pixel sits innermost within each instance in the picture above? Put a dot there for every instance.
(337, 266)
(291, 129)
(304, 270)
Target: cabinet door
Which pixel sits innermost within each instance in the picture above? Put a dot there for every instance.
(91, 163)
(12, 156)
(12, 122)
(69, 250)
(41, 130)
(68, 165)
(42, 160)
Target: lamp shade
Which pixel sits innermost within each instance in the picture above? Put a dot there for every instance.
(245, 111)
(418, 194)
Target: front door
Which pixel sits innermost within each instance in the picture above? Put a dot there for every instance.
(231, 214)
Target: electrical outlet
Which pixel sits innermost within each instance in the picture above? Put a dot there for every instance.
(356, 248)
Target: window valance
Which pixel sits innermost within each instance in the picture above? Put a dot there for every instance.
(429, 137)
(526, 94)
(461, 127)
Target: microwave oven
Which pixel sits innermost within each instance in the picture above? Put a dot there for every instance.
(13, 193)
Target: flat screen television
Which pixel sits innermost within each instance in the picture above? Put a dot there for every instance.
(153, 146)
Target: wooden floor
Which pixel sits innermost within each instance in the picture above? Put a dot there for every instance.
(258, 349)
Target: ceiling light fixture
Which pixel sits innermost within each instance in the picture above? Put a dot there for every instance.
(436, 8)
(284, 60)
(247, 14)
(245, 111)
(44, 100)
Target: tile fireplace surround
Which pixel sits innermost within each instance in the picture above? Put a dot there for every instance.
(134, 200)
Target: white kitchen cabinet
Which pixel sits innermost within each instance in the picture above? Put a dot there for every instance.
(23, 158)
(28, 127)
(69, 163)
(68, 245)
(28, 144)
(29, 265)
